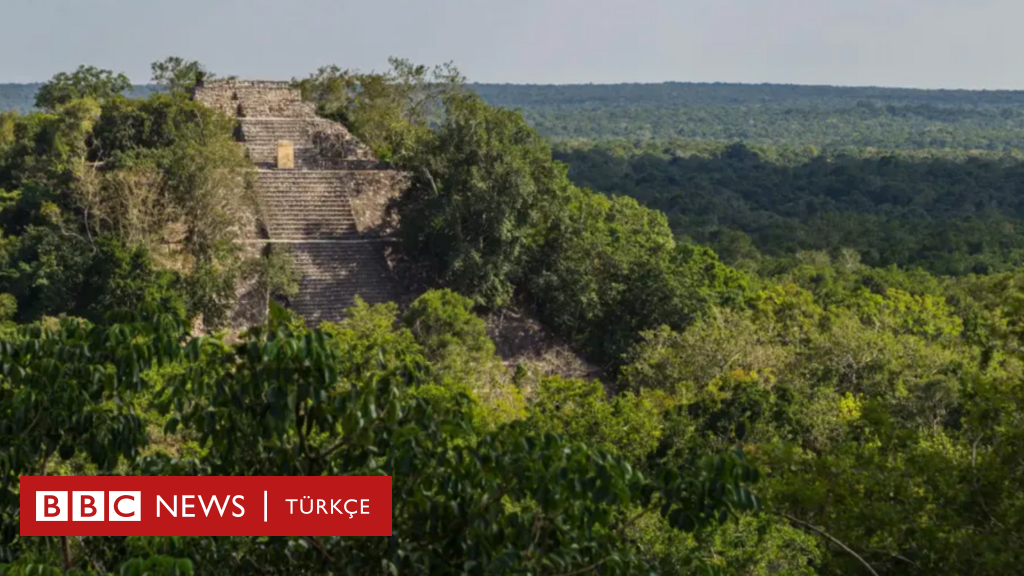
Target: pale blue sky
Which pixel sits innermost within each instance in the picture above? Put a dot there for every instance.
(914, 43)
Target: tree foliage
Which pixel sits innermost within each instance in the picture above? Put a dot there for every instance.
(826, 117)
(295, 402)
(391, 111)
(855, 388)
(106, 175)
(177, 75)
(481, 182)
(947, 212)
(85, 82)
(489, 214)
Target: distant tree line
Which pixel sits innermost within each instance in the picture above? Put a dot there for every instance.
(823, 116)
(947, 212)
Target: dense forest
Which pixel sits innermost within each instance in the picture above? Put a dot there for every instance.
(823, 116)
(948, 212)
(799, 412)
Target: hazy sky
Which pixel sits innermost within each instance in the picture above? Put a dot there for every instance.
(914, 43)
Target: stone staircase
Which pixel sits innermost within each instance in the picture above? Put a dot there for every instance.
(305, 205)
(327, 209)
(335, 272)
(318, 143)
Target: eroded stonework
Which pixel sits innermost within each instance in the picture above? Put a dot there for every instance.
(326, 206)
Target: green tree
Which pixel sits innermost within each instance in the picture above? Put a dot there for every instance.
(86, 82)
(286, 401)
(8, 307)
(629, 425)
(455, 341)
(390, 111)
(483, 182)
(175, 74)
(275, 274)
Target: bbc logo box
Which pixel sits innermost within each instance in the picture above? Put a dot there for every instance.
(89, 506)
(205, 506)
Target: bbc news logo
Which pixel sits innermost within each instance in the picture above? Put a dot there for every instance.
(205, 506)
(88, 506)
(125, 506)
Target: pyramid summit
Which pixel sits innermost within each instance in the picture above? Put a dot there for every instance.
(321, 192)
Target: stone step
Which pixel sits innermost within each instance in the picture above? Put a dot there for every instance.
(251, 110)
(292, 196)
(306, 201)
(297, 214)
(273, 175)
(301, 132)
(296, 180)
(326, 203)
(297, 183)
(304, 206)
(300, 218)
(284, 191)
(337, 199)
(317, 174)
(298, 202)
(308, 232)
(311, 227)
(333, 273)
(336, 196)
(311, 160)
(323, 164)
(304, 220)
(265, 154)
(254, 99)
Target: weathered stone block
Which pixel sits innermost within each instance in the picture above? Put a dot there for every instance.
(369, 192)
(285, 155)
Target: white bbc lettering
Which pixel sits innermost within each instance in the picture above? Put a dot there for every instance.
(87, 506)
(125, 506)
(51, 506)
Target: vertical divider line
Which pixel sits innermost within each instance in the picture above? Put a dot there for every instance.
(264, 505)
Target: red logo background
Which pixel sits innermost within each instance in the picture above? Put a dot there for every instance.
(372, 495)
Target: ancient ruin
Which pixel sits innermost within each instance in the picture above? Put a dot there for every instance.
(322, 195)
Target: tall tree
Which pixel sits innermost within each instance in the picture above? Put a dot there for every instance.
(86, 82)
(175, 74)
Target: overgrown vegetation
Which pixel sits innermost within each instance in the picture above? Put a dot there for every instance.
(949, 212)
(108, 200)
(287, 401)
(859, 390)
(772, 114)
(812, 415)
